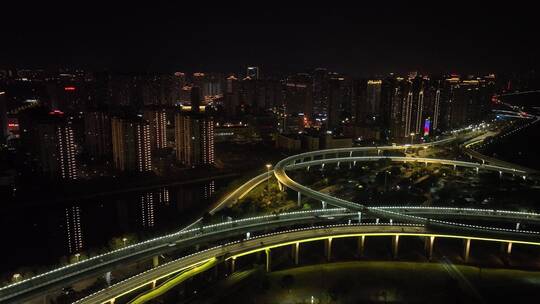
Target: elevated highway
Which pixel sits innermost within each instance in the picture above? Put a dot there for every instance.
(265, 243)
(437, 220)
(347, 156)
(64, 276)
(468, 148)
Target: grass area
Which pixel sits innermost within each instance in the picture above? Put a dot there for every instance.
(375, 281)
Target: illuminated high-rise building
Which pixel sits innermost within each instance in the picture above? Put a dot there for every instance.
(97, 134)
(412, 107)
(3, 117)
(406, 114)
(157, 117)
(339, 97)
(320, 91)
(196, 97)
(194, 135)
(436, 109)
(299, 95)
(373, 97)
(252, 72)
(74, 229)
(248, 93)
(395, 91)
(199, 81)
(131, 144)
(231, 100)
(158, 89)
(419, 112)
(213, 86)
(57, 147)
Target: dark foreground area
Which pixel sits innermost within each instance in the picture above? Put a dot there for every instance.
(390, 282)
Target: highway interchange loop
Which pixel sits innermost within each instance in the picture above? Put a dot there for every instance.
(196, 232)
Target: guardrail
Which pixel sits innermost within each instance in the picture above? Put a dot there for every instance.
(308, 159)
(117, 255)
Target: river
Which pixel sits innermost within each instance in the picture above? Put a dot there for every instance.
(47, 232)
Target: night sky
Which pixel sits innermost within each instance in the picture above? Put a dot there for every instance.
(279, 37)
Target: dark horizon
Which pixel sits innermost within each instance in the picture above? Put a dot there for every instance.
(469, 40)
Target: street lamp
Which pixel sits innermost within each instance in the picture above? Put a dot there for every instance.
(124, 240)
(268, 166)
(412, 135)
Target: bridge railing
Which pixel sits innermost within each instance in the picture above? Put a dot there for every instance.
(113, 256)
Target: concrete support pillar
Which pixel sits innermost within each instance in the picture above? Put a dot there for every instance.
(509, 248)
(281, 187)
(506, 248)
(361, 245)
(154, 283)
(268, 260)
(155, 261)
(466, 250)
(112, 301)
(350, 154)
(328, 249)
(338, 164)
(430, 240)
(395, 246)
(299, 199)
(296, 252)
(108, 278)
(233, 265)
(323, 204)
